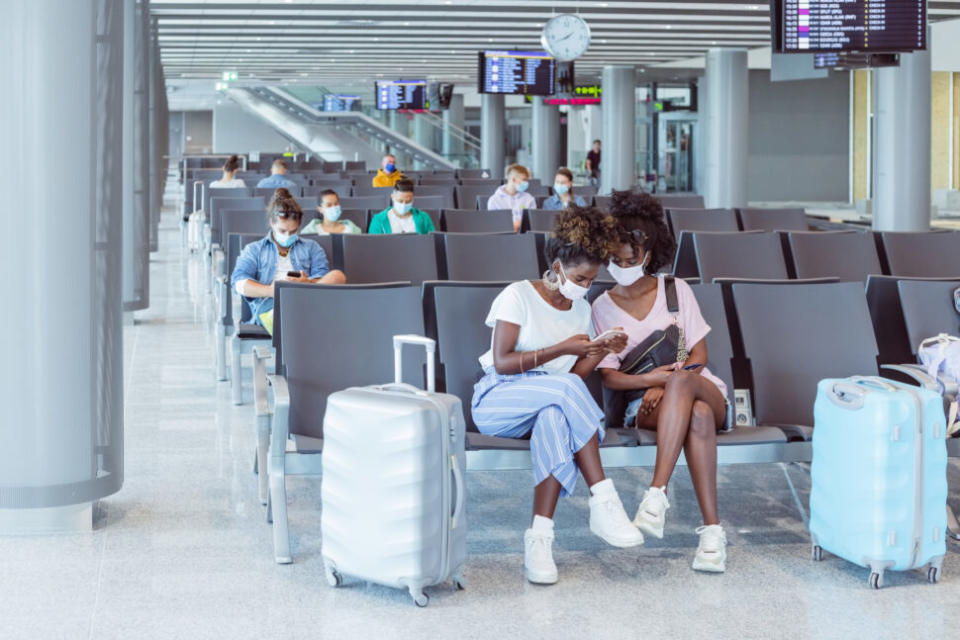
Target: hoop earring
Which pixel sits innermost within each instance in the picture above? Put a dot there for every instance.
(550, 280)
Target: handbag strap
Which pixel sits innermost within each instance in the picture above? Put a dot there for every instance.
(670, 289)
(673, 306)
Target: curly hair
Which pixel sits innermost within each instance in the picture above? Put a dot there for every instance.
(283, 205)
(581, 234)
(636, 211)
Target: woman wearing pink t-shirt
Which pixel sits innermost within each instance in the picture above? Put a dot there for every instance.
(683, 401)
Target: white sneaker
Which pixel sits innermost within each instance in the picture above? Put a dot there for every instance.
(651, 514)
(712, 550)
(538, 565)
(608, 520)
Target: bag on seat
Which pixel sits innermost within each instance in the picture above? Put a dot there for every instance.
(392, 492)
(879, 476)
(940, 356)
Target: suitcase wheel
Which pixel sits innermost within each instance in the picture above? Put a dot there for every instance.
(933, 575)
(421, 599)
(334, 579)
(876, 580)
(816, 553)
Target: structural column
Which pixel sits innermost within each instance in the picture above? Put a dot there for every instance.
(136, 222)
(725, 130)
(901, 147)
(453, 121)
(400, 122)
(618, 155)
(61, 382)
(155, 197)
(422, 135)
(545, 134)
(492, 129)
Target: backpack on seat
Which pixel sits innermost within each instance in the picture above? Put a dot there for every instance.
(940, 356)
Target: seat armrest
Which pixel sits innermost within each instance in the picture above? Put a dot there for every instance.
(219, 260)
(280, 423)
(260, 357)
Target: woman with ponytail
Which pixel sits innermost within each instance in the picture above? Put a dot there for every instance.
(229, 179)
(682, 400)
(279, 255)
(540, 353)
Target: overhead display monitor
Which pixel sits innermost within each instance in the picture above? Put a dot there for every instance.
(339, 102)
(822, 26)
(401, 94)
(847, 61)
(531, 73)
(439, 95)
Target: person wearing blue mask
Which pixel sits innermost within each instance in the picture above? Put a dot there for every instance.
(401, 216)
(279, 255)
(389, 174)
(513, 195)
(563, 195)
(329, 220)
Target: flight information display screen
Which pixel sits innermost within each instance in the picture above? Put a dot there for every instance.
(401, 94)
(810, 26)
(531, 73)
(847, 61)
(338, 102)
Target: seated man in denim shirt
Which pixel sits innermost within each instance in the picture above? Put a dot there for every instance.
(278, 177)
(563, 195)
(277, 256)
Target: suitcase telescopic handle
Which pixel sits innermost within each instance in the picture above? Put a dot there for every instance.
(428, 343)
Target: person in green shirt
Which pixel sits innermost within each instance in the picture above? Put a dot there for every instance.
(402, 217)
(329, 221)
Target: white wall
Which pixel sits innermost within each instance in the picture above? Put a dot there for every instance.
(236, 131)
(799, 139)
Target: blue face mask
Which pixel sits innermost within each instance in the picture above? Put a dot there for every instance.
(389, 167)
(332, 214)
(560, 189)
(285, 240)
(523, 186)
(402, 208)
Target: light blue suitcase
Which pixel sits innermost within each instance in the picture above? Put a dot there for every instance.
(879, 476)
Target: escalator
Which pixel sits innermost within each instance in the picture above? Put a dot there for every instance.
(331, 135)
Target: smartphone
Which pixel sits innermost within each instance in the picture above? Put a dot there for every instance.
(293, 274)
(609, 333)
(692, 367)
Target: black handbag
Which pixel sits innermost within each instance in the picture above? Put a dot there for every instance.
(662, 347)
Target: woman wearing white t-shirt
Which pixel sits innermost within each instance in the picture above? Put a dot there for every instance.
(229, 178)
(534, 384)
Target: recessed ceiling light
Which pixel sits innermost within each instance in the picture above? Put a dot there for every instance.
(668, 26)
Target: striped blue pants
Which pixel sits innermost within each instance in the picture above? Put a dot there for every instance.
(557, 408)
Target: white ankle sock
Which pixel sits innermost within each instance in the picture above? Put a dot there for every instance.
(603, 487)
(542, 524)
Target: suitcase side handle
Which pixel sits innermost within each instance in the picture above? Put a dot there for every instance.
(458, 479)
(428, 343)
(847, 395)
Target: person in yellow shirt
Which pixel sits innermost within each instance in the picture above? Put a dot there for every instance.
(388, 175)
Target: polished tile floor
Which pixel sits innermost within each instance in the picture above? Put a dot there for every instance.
(183, 550)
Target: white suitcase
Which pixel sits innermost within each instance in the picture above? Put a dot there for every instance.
(195, 231)
(392, 491)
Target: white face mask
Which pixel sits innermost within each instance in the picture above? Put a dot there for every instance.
(626, 276)
(570, 289)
